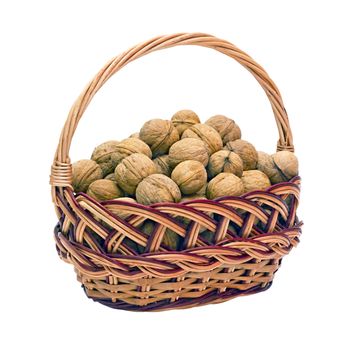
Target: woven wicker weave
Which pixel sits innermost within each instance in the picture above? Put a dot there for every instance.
(251, 232)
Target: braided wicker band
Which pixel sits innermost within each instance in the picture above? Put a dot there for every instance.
(251, 233)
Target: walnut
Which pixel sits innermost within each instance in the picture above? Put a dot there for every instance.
(157, 188)
(162, 164)
(184, 119)
(279, 167)
(103, 190)
(226, 127)
(225, 161)
(190, 176)
(286, 163)
(132, 170)
(159, 135)
(111, 177)
(121, 213)
(254, 180)
(188, 149)
(246, 151)
(129, 146)
(102, 155)
(202, 191)
(85, 172)
(267, 166)
(207, 134)
(135, 135)
(225, 184)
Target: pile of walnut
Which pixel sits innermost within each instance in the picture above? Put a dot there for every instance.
(179, 160)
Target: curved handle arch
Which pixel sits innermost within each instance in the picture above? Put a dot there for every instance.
(61, 173)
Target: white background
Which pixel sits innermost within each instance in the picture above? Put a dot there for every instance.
(50, 50)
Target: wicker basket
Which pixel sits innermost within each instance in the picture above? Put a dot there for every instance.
(241, 262)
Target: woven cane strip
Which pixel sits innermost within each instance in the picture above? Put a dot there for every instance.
(239, 263)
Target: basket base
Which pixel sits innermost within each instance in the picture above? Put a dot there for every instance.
(210, 298)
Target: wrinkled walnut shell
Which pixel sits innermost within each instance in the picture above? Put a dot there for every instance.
(130, 146)
(157, 188)
(103, 190)
(190, 176)
(246, 151)
(225, 184)
(286, 163)
(226, 127)
(267, 166)
(132, 170)
(254, 180)
(85, 172)
(207, 134)
(102, 155)
(184, 119)
(162, 164)
(225, 161)
(188, 149)
(159, 134)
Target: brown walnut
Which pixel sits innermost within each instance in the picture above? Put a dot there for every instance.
(225, 184)
(132, 170)
(102, 155)
(188, 149)
(103, 190)
(207, 134)
(85, 172)
(254, 180)
(162, 164)
(184, 119)
(225, 161)
(246, 151)
(190, 176)
(130, 146)
(157, 188)
(159, 134)
(226, 127)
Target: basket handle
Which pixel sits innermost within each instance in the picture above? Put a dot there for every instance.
(61, 170)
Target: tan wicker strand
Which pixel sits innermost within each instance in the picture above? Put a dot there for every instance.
(61, 173)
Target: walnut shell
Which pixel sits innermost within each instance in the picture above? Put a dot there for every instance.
(207, 134)
(254, 180)
(121, 213)
(267, 166)
(188, 149)
(286, 163)
(202, 191)
(135, 135)
(132, 170)
(102, 155)
(172, 240)
(111, 177)
(190, 176)
(184, 119)
(225, 161)
(159, 134)
(157, 188)
(246, 151)
(103, 190)
(85, 172)
(162, 164)
(226, 127)
(225, 184)
(129, 146)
